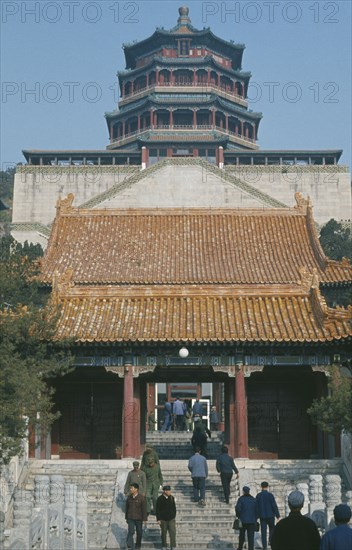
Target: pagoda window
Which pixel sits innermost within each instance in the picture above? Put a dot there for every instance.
(128, 88)
(204, 119)
(239, 89)
(156, 154)
(213, 78)
(152, 79)
(220, 119)
(202, 76)
(183, 78)
(162, 119)
(226, 83)
(140, 83)
(164, 77)
(183, 119)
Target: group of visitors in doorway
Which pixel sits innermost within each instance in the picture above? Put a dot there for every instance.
(181, 416)
(295, 532)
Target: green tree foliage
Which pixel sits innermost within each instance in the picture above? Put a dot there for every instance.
(333, 413)
(6, 194)
(336, 240)
(29, 355)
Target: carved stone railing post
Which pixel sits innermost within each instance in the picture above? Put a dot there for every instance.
(316, 502)
(332, 495)
(70, 517)
(303, 487)
(82, 520)
(2, 529)
(349, 498)
(41, 491)
(57, 489)
(22, 515)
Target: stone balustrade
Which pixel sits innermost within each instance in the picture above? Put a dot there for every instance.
(51, 516)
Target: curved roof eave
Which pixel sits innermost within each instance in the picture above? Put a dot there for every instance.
(131, 50)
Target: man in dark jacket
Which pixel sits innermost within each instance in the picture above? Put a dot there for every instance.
(295, 531)
(165, 516)
(339, 538)
(136, 514)
(199, 439)
(268, 511)
(247, 510)
(225, 466)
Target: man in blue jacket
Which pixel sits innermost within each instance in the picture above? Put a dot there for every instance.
(268, 511)
(225, 466)
(198, 467)
(247, 510)
(339, 538)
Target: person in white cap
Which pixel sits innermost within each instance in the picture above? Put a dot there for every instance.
(296, 532)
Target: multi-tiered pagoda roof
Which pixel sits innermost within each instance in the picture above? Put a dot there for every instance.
(183, 85)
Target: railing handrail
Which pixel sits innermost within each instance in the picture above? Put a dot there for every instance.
(211, 85)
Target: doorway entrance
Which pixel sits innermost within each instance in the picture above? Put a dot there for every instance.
(188, 392)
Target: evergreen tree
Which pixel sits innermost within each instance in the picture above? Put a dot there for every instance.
(336, 240)
(29, 355)
(333, 413)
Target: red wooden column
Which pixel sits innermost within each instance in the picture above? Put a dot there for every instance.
(241, 414)
(231, 430)
(129, 415)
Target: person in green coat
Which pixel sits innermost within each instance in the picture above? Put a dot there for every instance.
(154, 482)
(149, 455)
(136, 476)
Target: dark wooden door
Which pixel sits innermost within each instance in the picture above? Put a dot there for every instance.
(90, 421)
(278, 424)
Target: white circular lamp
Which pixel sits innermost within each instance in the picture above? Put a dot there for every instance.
(183, 353)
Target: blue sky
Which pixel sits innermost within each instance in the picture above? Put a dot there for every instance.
(59, 61)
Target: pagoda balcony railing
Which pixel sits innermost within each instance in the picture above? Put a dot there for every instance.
(189, 87)
(181, 127)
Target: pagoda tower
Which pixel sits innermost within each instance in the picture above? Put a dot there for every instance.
(183, 93)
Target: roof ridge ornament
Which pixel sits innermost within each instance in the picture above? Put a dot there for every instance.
(183, 19)
(303, 203)
(309, 279)
(63, 282)
(64, 206)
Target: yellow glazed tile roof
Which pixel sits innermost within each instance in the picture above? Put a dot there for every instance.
(185, 246)
(202, 314)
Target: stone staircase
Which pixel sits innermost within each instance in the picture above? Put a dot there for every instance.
(101, 483)
(177, 445)
(197, 527)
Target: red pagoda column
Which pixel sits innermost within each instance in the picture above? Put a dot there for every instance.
(242, 125)
(171, 121)
(213, 118)
(208, 77)
(241, 413)
(111, 132)
(151, 118)
(227, 122)
(194, 77)
(138, 122)
(157, 77)
(123, 128)
(129, 415)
